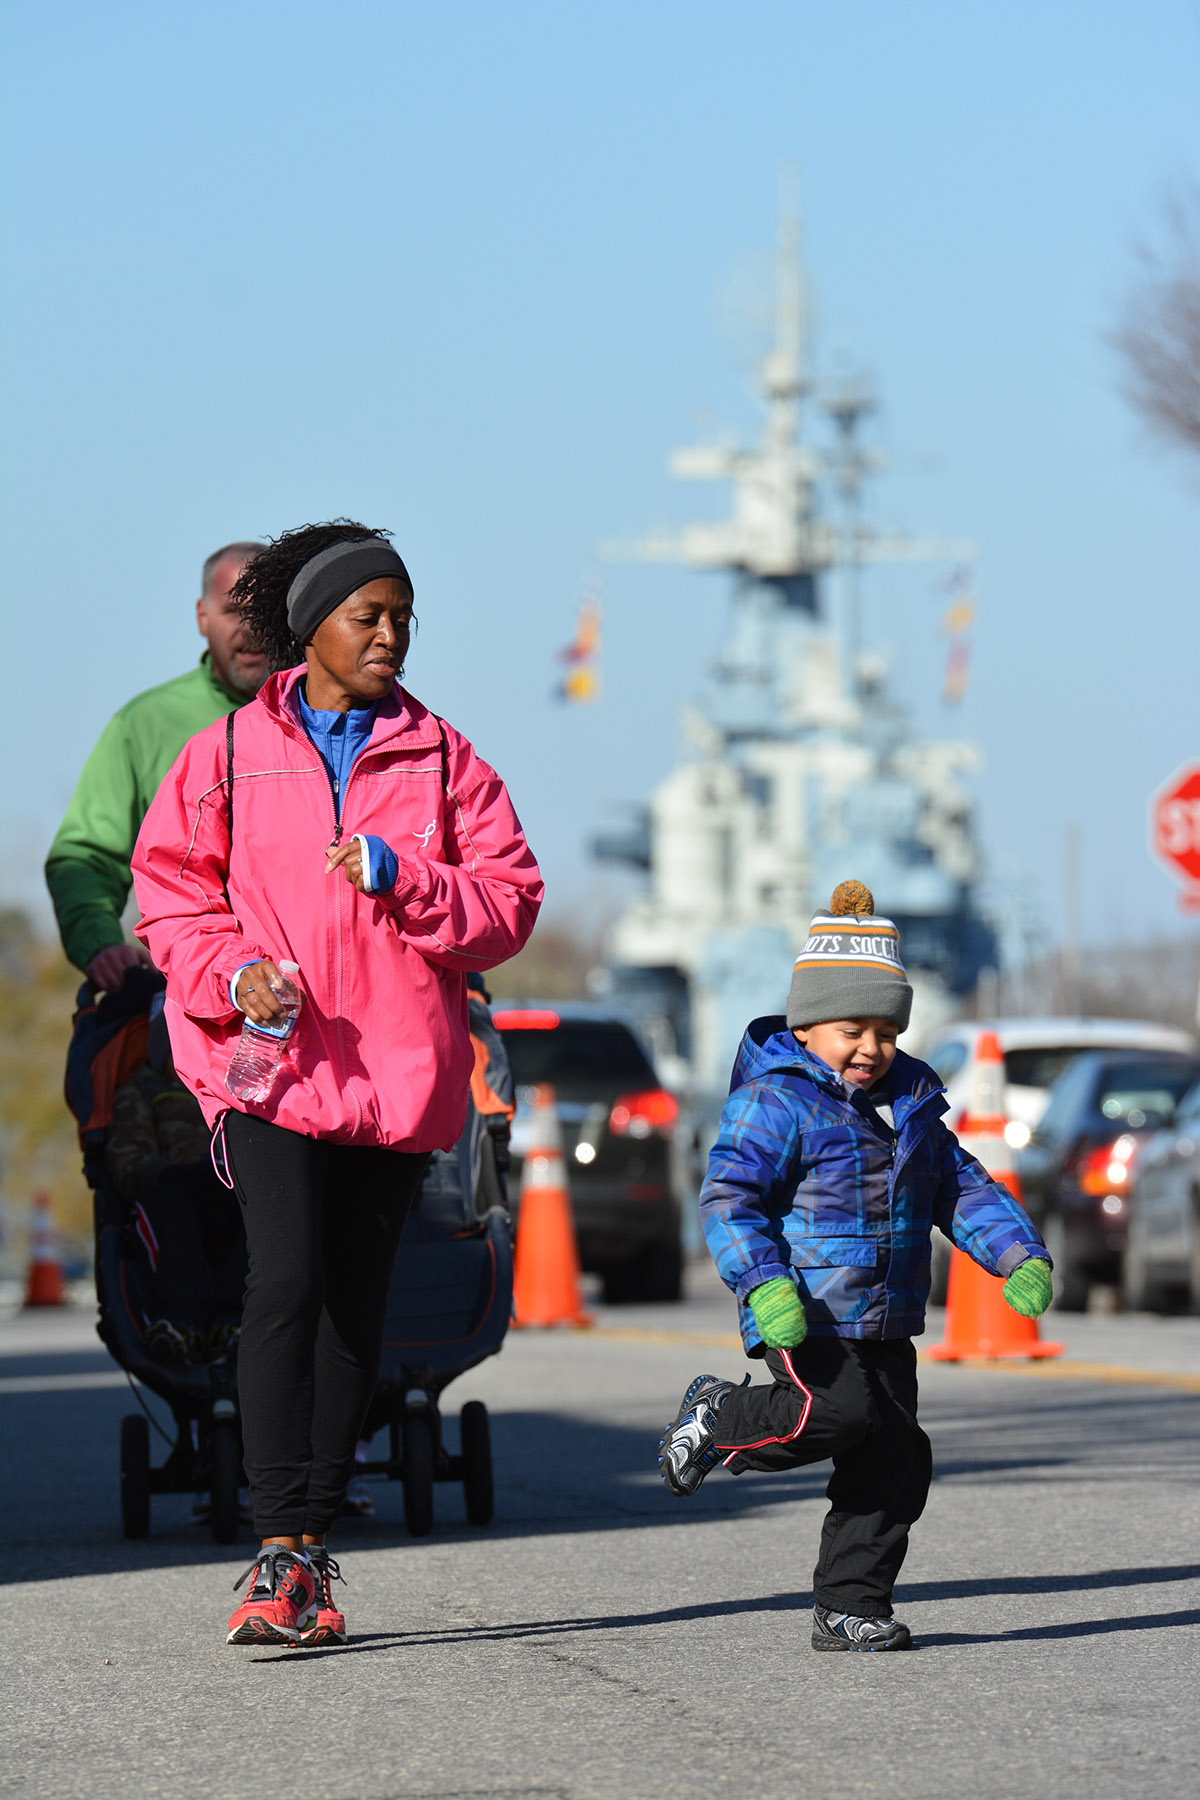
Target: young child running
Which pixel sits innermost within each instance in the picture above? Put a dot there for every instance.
(831, 1167)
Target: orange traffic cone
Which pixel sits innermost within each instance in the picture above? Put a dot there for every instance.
(546, 1265)
(44, 1282)
(979, 1321)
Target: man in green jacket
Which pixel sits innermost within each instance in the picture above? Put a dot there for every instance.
(87, 870)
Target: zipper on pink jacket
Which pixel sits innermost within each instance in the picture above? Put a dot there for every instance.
(336, 840)
(338, 903)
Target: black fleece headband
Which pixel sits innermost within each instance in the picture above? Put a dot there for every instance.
(333, 575)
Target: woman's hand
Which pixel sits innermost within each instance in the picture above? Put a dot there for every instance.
(367, 862)
(348, 858)
(255, 993)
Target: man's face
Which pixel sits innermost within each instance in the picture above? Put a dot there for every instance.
(221, 627)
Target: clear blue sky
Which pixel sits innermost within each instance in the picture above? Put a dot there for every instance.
(459, 271)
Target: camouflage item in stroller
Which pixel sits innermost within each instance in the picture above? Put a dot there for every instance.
(169, 1249)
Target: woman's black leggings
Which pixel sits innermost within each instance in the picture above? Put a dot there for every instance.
(323, 1223)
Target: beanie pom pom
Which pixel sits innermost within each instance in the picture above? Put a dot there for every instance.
(852, 898)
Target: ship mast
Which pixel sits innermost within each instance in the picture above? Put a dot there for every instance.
(775, 537)
(799, 772)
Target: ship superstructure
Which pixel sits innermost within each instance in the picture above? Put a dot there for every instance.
(800, 768)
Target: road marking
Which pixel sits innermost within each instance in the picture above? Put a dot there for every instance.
(632, 1334)
(1067, 1369)
(1064, 1369)
(60, 1384)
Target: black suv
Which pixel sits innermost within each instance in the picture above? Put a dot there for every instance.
(1077, 1168)
(617, 1125)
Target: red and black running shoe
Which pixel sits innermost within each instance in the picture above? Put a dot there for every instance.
(329, 1625)
(282, 1601)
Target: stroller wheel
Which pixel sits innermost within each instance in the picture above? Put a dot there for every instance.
(418, 1474)
(477, 1463)
(135, 1476)
(226, 1467)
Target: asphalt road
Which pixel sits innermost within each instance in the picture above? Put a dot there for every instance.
(602, 1639)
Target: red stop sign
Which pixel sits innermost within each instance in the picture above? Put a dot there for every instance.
(1175, 822)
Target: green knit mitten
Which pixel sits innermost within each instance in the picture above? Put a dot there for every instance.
(778, 1314)
(1027, 1289)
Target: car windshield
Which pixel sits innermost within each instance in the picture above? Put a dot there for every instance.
(1144, 1093)
(1041, 1067)
(947, 1059)
(580, 1052)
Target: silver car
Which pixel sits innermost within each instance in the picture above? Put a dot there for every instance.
(1162, 1250)
(1036, 1051)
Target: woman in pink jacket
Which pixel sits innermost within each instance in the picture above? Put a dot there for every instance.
(343, 827)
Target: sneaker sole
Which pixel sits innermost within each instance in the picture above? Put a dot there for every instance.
(323, 1634)
(262, 1631)
(670, 1480)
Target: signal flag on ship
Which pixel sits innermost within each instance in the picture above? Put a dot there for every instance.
(581, 683)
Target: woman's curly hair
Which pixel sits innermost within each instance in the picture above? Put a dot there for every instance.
(261, 590)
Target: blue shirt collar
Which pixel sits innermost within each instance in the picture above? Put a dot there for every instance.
(331, 724)
(337, 738)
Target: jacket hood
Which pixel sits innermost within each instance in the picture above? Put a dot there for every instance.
(768, 1048)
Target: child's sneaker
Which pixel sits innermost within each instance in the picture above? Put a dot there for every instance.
(282, 1601)
(846, 1631)
(202, 1507)
(359, 1502)
(328, 1626)
(688, 1450)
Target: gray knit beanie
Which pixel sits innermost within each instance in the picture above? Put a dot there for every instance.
(850, 966)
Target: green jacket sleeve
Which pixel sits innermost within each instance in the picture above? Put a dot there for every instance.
(87, 870)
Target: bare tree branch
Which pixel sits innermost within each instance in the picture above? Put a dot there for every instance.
(1159, 335)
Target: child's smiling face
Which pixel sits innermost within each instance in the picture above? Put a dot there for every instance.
(860, 1050)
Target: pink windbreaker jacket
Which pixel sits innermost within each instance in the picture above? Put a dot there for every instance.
(381, 1052)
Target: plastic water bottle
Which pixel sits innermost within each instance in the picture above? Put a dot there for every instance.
(260, 1049)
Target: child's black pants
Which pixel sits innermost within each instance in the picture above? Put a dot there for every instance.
(856, 1401)
(323, 1223)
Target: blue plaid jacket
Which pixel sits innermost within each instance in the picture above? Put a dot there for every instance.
(806, 1180)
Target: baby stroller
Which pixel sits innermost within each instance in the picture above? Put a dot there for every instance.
(179, 1218)
(448, 1308)
(451, 1297)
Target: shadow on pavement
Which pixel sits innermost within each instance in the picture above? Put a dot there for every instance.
(910, 1593)
(1073, 1629)
(980, 1586)
(560, 1473)
(554, 1474)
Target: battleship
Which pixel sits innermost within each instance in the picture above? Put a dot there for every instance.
(800, 766)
